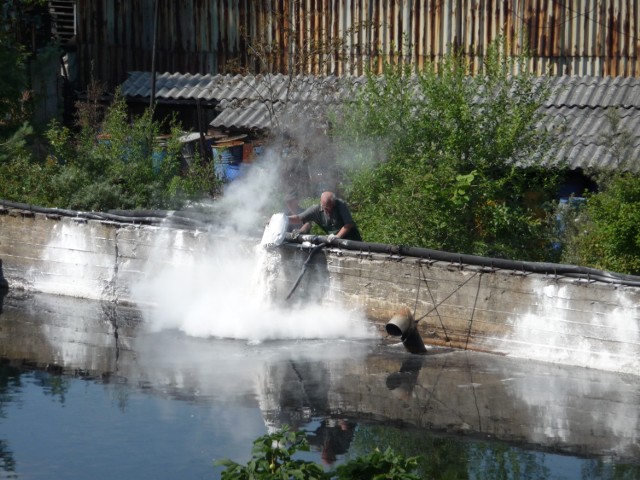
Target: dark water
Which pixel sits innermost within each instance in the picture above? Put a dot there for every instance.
(87, 392)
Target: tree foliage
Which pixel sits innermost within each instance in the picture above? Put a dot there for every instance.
(442, 159)
(604, 233)
(111, 162)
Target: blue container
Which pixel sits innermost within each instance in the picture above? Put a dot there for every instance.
(228, 157)
(227, 153)
(220, 170)
(232, 171)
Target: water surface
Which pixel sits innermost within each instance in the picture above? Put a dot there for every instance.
(88, 391)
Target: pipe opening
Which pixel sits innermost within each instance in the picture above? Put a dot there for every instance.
(402, 325)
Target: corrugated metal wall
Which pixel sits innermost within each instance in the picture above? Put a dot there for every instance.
(579, 37)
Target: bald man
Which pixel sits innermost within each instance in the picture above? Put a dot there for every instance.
(332, 215)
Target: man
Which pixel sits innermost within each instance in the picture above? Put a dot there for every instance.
(332, 215)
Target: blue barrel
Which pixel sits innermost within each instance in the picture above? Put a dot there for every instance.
(227, 156)
(232, 171)
(220, 170)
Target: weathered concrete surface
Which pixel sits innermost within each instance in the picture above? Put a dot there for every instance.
(571, 321)
(576, 322)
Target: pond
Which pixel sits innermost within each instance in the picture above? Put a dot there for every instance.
(87, 390)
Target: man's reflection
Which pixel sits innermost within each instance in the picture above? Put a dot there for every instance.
(332, 438)
(297, 394)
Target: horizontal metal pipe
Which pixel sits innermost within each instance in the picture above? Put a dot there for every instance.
(556, 269)
(545, 268)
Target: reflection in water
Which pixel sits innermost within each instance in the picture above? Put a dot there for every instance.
(9, 381)
(332, 438)
(7, 462)
(406, 378)
(349, 396)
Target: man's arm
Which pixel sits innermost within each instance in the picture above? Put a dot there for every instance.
(305, 228)
(304, 218)
(344, 230)
(296, 219)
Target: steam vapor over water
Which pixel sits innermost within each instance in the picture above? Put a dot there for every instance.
(226, 291)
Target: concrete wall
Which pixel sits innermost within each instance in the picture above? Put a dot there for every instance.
(548, 318)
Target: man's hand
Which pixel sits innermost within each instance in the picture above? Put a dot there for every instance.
(331, 238)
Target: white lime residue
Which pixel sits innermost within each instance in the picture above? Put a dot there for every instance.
(274, 233)
(597, 337)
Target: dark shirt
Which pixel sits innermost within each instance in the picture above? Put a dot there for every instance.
(331, 224)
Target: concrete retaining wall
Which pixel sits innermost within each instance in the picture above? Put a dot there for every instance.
(548, 318)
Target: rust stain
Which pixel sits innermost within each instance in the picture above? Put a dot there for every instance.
(595, 37)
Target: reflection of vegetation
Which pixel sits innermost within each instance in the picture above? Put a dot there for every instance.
(438, 457)
(55, 386)
(7, 462)
(444, 457)
(496, 461)
(9, 382)
(598, 470)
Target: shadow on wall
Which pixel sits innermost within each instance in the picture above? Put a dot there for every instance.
(313, 277)
(4, 287)
(3, 281)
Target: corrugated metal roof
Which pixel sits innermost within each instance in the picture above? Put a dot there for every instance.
(262, 115)
(580, 109)
(587, 138)
(215, 88)
(587, 91)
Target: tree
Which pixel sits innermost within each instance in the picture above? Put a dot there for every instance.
(116, 162)
(445, 160)
(604, 233)
(23, 34)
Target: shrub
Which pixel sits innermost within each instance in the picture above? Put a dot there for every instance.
(116, 163)
(272, 457)
(447, 160)
(604, 233)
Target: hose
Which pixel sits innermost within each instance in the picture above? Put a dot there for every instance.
(146, 217)
(556, 269)
(315, 249)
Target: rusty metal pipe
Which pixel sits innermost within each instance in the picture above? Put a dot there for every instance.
(404, 326)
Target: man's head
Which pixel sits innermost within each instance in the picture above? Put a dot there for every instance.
(327, 201)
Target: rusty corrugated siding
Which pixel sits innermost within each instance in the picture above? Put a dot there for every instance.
(578, 37)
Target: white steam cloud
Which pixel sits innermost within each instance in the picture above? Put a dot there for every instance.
(219, 283)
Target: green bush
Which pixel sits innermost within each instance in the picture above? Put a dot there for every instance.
(272, 458)
(110, 163)
(604, 233)
(442, 159)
